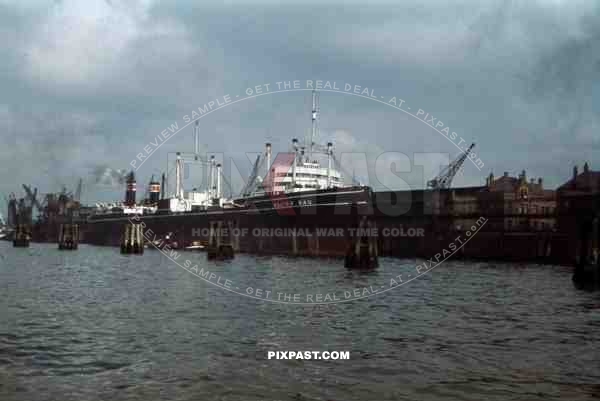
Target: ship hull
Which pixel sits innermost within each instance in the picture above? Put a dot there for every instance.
(304, 224)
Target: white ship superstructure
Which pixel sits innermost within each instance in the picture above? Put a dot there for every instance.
(300, 171)
(180, 200)
(306, 175)
(211, 196)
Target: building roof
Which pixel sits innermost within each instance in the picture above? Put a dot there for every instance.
(588, 181)
(509, 184)
(468, 189)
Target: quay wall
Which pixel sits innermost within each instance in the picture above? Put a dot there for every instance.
(422, 228)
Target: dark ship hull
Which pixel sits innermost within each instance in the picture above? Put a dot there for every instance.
(311, 223)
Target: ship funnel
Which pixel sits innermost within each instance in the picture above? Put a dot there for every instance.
(178, 180)
(154, 190)
(218, 194)
(295, 146)
(329, 157)
(268, 153)
(130, 189)
(211, 178)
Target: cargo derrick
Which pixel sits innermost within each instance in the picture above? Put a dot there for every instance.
(55, 209)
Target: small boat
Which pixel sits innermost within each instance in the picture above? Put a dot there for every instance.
(166, 241)
(195, 245)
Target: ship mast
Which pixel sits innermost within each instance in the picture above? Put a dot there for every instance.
(196, 141)
(315, 123)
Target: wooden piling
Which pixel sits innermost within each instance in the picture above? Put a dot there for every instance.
(587, 266)
(294, 244)
(362, 250)
(22, 236)
(68, 237)
(234, 233)
(219, 244)
(133, 240)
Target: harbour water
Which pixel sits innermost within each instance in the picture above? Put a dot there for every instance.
(96, 325)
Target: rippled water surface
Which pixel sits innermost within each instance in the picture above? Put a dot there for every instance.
(95, 325)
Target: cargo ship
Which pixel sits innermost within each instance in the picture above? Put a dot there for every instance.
(283, 205)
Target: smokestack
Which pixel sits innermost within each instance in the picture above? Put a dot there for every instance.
(575, 172)
(212, 177)
(295, 146)
(178, 176)
(329, 157)
(130, 189)
(154, 191)
(268, 152)
(162, 187)
(218, 195)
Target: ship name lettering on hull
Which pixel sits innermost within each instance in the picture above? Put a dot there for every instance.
(282, 203)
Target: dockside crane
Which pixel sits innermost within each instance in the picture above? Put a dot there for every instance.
(444, 179)
(32, 198)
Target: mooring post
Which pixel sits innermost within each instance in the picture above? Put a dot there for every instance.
(373, 239)
(294, 243)
(362, 249)
(68, 237)
(234, 234)
(582, 231)
(315, 243)
(219, 247)
(133, 240)
(595, 268)
(211, 235)
(22, 236)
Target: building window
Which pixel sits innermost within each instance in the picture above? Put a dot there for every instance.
(524, 193)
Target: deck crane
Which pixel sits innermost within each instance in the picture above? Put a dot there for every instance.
(196, 159)
(444, 179)
(253, 179)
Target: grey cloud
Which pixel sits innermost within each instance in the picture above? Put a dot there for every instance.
(511, 75)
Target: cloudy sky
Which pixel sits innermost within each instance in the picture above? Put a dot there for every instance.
(87, 84)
